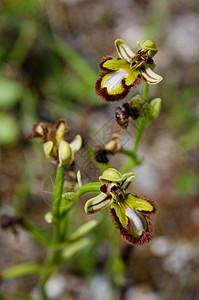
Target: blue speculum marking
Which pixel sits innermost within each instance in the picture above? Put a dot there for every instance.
(137, 221)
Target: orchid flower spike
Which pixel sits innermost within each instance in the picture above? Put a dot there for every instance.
(120, 75)
(55, 145)
(130, 211)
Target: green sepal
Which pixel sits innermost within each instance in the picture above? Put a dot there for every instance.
(120, 212)
(110, 175)
(97, 203)
(148, 45)
(115, 64)
(138, 203)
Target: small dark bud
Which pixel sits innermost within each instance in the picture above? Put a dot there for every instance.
(101, 156)
(133, 112)
(11, 222)
(121, 117)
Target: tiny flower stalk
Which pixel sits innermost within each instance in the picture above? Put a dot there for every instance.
(113, 146)
(120, 75)
(130, 212)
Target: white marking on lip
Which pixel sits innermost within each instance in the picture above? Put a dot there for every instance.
(114, 81)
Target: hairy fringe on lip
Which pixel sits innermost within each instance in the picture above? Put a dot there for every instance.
(103, 93)
(144, 238)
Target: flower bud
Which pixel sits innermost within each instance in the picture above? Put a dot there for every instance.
(76, 143)
(65, 154)
(48, 146)
(101, 156)
(155, 108)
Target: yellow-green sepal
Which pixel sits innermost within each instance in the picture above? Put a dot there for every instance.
(110, 175)
(150, 46)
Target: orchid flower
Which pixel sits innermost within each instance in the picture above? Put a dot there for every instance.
(130, 211)
(120, 75)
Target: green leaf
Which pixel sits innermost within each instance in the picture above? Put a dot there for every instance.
(138, 203)
(8, 129)
(10, 92)
(71, 250)
(21, 270)
(83, 230)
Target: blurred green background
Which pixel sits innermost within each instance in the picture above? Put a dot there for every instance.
(49, 54)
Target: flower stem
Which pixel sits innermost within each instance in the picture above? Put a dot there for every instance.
(145, 91)
(141, 124)
(59, 182)
(53, 255)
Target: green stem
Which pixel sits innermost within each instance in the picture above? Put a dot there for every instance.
(90, 187)
(59, 183)
(141, 124)
(53, 255)
(145, 91)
